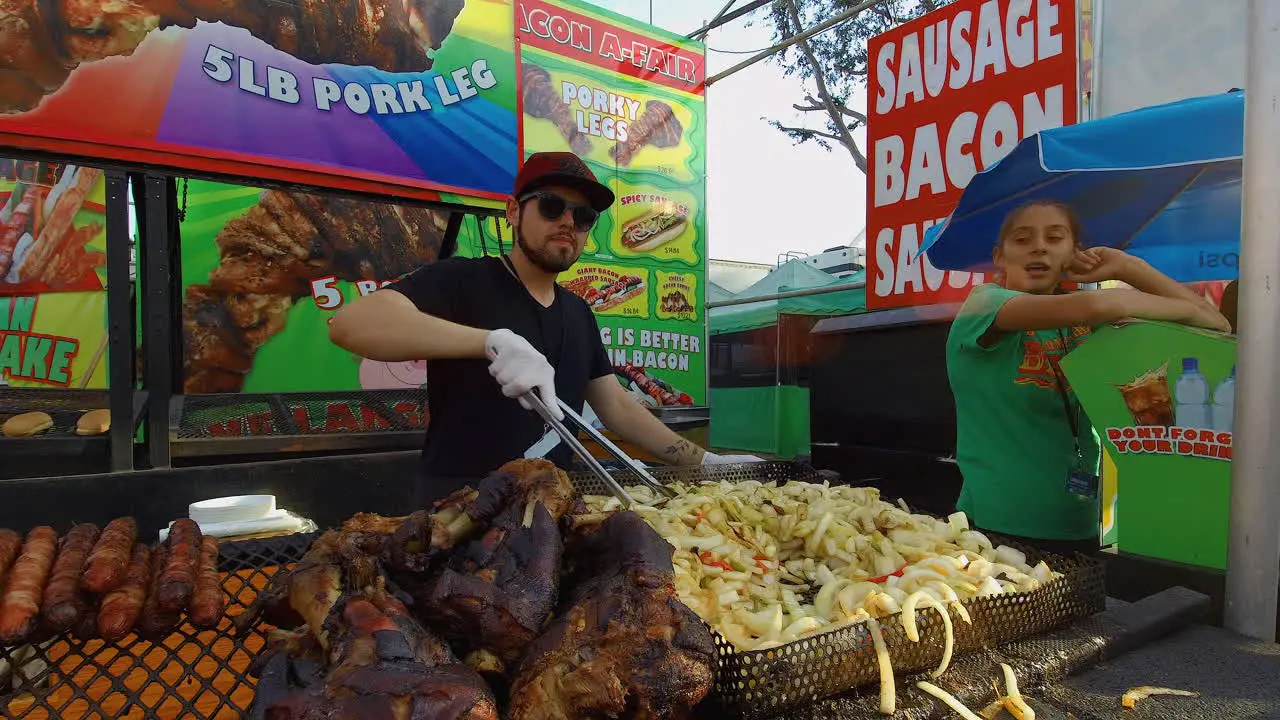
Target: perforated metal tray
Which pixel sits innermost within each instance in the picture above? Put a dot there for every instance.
(762, 683)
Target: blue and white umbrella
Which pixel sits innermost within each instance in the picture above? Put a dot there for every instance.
(1162, 183)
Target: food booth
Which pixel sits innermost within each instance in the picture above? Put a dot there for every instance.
(240, 155)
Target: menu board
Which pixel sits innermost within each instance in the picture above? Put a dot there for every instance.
(628, 99)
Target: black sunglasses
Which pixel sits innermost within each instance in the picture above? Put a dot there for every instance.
(552, 207)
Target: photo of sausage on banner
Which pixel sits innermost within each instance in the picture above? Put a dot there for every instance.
(609, 290)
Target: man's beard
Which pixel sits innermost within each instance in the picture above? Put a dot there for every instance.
(543, 259)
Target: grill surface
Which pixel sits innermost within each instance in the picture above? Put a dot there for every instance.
(191, 674)
(203, 674)
(283, 414)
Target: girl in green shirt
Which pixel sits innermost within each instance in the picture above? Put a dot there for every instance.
(1027, 452)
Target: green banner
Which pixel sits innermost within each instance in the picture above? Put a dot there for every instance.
(627, 98)
(1162, 399)
(264, 270)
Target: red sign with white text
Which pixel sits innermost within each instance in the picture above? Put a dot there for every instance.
(589, 40)
(949, 94)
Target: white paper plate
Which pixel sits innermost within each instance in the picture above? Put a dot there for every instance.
(236, 508)
(277, 521)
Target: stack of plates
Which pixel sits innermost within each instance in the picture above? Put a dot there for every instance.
(241, 515)
(236, 508)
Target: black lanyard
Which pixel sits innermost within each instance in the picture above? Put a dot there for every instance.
(1072, 413)
(537, 309)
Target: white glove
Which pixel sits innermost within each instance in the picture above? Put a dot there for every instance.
(711, 458)
(519, 368)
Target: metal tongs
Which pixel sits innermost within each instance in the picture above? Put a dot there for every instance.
(571, 439)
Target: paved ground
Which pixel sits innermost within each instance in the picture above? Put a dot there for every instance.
(1237, 677)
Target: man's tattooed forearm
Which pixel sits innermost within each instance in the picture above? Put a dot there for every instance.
(677, 450)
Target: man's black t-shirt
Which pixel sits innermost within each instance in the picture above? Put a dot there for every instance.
(473, 427)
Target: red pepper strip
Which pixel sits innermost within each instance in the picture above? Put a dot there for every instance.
(884, 578)
(760, 563)
(708, 559)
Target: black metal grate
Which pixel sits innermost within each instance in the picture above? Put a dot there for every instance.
(190, 674)
(63, 406)
(283, 414)
(203, 674)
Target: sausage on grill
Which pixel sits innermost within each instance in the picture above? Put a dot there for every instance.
(62, 601)
(156, 622)
(110, 557)
(10, 544)
(24, 586)
(178, 576)
(122, 606)
(209, 602)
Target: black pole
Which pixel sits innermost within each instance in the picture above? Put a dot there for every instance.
(449, 245)
(157, 315)
(728, 18)
(120, 328)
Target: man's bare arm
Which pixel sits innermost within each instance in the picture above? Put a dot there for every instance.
(386, 326)
(635, 424)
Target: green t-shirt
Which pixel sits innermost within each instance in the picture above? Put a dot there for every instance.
(1014, 442)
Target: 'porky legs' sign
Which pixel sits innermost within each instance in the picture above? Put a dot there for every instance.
(950, 94)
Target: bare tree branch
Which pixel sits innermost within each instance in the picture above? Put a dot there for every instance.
(834, 65)
(845, 137)
(806, 131)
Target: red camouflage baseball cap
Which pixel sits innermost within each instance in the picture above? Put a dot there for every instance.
(564, 169)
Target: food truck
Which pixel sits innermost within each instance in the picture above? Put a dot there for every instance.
(276, 176)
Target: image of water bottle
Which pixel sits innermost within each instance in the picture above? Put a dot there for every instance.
(1191, 396)
(1224, 403)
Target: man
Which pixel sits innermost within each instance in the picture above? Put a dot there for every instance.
(494, 328)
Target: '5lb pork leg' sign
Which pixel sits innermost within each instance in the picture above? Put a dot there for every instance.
(951, 93)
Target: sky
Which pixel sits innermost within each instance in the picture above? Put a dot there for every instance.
(765, 195)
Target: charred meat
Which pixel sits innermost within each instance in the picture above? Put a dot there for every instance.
(383, 666)
(625, 646)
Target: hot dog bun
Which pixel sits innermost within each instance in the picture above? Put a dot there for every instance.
(94, 422)
(26, 424)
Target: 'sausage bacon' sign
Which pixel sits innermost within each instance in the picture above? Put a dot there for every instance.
(950, 94)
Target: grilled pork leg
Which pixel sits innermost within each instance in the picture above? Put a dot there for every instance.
(384, 666)
(44, 42)
(427, 535)
(626, 647)
(498, 592)
(304, 595)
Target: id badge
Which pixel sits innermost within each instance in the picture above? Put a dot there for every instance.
(1082, 482)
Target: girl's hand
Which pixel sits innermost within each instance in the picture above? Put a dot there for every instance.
(1099, 265)
(1207, 317)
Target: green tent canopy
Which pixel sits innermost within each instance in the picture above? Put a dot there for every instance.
(792, 275)
(715, 293)
(773, 419)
